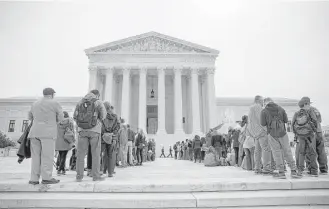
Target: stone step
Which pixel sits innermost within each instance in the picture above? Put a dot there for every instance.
(237, 199)
(185, 185)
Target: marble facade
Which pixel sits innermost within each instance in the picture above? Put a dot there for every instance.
(158, 83)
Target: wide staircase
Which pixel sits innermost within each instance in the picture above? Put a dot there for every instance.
(167, 183)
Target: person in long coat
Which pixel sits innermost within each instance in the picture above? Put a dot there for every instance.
(61, 145)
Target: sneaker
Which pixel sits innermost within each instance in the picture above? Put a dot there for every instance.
(279, 175)
(34, 182)
(63, 172)
(257, 172)
(296, 175)
(78, 179)
(324, 173)
(99, 179)
(267, 173)
(59, 173)
(313, 175)
(20, 160)
(51, 181)
(110, 175)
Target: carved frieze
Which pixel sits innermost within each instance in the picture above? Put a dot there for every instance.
(152, 44)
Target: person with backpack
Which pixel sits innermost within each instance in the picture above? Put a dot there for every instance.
(304, 126)
(89, 114)
(274, 117)
(196, 146)
(320, 149)
(110, 129)
(65, 141)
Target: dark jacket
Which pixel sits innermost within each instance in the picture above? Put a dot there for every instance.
(24, 150)
(140, 141)
(216, 141)
(196, 144)
(235, 138)
(111, 125)
(131, 135)
(272, 109)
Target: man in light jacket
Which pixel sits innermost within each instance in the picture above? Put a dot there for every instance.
(45, 114)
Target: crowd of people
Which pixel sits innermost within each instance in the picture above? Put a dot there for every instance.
(94, 131)
(261, 144)
(258, 143)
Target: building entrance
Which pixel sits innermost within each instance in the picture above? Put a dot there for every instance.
(152, 119)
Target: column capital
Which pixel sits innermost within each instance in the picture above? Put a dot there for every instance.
(161, 69)
(126, 70)
(210, 71)
(178, 70)
(195, 70)
(109, 70)
(93, 68)
(143, 70)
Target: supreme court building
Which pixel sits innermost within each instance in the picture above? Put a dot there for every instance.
(161, 84)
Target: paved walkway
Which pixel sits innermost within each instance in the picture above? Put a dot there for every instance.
(164, 170)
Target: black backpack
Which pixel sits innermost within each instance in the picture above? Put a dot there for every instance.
(277, 126)
(303, 125)
(87, 114)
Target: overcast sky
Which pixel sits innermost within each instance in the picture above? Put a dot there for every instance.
(271, 48)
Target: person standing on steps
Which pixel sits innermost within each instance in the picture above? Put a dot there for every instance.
(170, 152)
(89, 114)
(63, 145)
(110, 127)
(162, 151)
(304, 126)
(196, 146)
(45, 114)
(274, 117)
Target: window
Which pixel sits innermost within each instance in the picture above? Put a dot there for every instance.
(289, 129)
(25, 125)
(11, 126)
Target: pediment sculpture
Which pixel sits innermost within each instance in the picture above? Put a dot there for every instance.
(151, 44)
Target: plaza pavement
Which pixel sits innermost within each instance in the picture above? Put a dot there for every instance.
(164, 183)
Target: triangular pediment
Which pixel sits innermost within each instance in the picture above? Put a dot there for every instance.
(151, 42)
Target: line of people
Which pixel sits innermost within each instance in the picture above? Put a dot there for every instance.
(261, 142)
(106, 139)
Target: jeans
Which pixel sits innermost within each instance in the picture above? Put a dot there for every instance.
(281, 148)
(130, 152)
(236, 152)
(263, 154)
(218, 152)
(139, 154)
(249, 157)
(321, 152)
(93, 139)
(89, 158)
(241, 154)
(62, 160)
(190, 151)
(176, 154)
(203, 153)
(42, 154)
(307, 146)
(123, 154)
(197, 154)
(109, 158)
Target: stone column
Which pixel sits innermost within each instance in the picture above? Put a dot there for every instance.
(212, 112)
(178, 101)
(195, 101)
(161, 102)
(142, 99)
(92, 78)
(109, 86)
(125, 94)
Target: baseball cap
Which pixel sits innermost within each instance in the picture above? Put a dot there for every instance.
(303, 101)
(48, 91)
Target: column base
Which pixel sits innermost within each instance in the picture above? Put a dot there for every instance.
(180, 132)
(161, 132)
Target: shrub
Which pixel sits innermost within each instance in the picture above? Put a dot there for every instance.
(5, 141)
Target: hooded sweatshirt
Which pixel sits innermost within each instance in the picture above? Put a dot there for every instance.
(267, 114)
(101, 113)
(61, 144)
